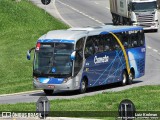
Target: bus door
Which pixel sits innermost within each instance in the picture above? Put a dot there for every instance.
(78, 63)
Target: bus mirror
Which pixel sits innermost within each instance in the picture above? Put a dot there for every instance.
(73, 55)
(28, 55)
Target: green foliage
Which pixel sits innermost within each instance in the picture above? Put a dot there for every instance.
(21, 24)
(145, 98)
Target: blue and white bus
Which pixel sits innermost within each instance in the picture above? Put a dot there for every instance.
(79, 58)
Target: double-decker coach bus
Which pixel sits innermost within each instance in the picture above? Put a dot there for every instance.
(79, 58)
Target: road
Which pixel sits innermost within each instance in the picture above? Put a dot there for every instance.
(82, 13)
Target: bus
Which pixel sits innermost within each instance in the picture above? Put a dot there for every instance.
(80, 58)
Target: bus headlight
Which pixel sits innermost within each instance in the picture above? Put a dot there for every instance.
(66, 79)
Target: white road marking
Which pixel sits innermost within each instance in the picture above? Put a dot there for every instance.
(108, 8)
(26, 92)
(56, 10)
(96, 3)
(81, 12)
(155, 50)
(149, 47)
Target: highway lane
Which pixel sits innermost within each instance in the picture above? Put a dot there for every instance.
(83, 13)
(99, 9)
(92, 13)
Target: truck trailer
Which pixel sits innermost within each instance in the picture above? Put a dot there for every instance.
(135, 12)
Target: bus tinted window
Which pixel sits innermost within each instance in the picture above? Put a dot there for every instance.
(116, 44)
(79, 56)
(103, 43)
(135, 39)
(141, 38)
(125, 40)
(95, 40)
(107, 43)
(89, 48)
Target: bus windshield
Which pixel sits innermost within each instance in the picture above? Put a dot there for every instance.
(53, 59)
(145, 6)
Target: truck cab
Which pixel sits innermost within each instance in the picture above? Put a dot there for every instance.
(144, 13)
(135, 12)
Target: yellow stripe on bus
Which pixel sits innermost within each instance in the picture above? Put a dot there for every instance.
(124, 52)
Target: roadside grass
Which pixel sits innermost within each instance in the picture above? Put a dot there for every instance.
(21, 24)
(145, 98)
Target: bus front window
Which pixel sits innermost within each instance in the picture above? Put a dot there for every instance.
(53, 59)
(144, 6)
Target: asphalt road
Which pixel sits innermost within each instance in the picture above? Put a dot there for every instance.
(81, 13)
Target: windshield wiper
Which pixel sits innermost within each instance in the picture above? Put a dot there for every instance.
(37, 72)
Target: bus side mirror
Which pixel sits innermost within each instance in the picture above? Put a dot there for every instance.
(28, 55)
(73, 55)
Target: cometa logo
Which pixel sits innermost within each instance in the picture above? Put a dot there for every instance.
(101, 59)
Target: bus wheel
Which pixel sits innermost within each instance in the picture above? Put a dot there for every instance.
(130, 79)
(124, 79)
(48, 92)
(83, 86)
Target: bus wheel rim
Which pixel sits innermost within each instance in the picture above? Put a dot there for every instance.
(124, 78)
(83, 85)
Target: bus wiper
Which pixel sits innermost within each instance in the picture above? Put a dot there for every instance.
(37, 72)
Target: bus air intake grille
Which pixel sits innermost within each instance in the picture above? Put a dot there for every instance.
(141, 64)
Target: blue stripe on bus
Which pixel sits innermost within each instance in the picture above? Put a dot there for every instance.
(112, 71)
(51, 80)
(121, 30)
(55, 41)
(109, 67)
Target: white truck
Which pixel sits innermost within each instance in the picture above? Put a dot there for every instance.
(135, 12)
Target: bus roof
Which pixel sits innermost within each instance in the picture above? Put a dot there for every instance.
(75, 34)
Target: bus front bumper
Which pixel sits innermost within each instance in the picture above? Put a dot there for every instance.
(56, 87)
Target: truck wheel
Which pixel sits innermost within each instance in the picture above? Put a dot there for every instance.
(83, 86)
(124, 79)
(48, 92)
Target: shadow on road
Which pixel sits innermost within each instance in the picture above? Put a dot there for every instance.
(89, 90)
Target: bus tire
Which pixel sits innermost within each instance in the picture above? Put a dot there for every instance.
(130, 78)
(124, 78)
(156, 30)
(48, 92)
(83, 86)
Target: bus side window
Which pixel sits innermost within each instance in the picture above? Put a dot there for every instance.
(107, 43)
(141, 38)
(115, 43)
(134, 42)
(89, 48)
(95, 44)
(100, 44)
(125, 40)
